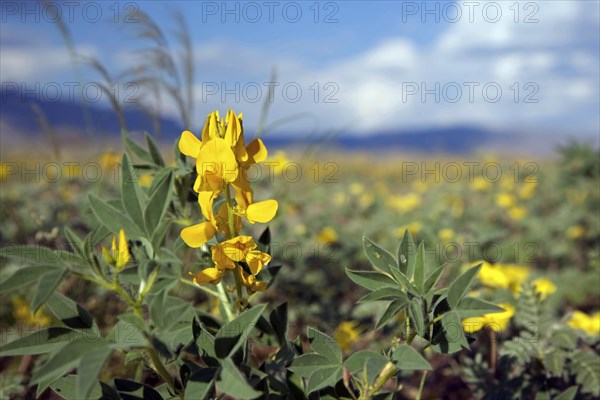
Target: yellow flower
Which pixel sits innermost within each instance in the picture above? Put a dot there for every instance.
(22, 314)
(300, 229)
(339, 199)
(420, 186)
(413, 228)
(446, 235)
(480, 184)
(145, 180)
(4, 170)
(495, 321)
(517, 275)
(356, 189)
(209, 275)
(109, 160)
(406, 203)
(590, 324)
(119, 254)
(527, 190)
(327, 235)
(505, 200)
(346, 334)
(544, 287)
(493, 276)
(575, 232)
(517, 213)
(507, 182)
(279, 162)
(366, 200)
(252, 285)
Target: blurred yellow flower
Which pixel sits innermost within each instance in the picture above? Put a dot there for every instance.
(517, 213)
(279, 161)
(3, 171)
(346, 334)
(327, 235)
(495, 321)
(480, 184)
(300, 229)
(517, 275)
(446, 234)
(493, 276)
(405, 203)
(505, 200)
(366, 199)
(544, 287)
(22, 314)
(413, 228)
(420, 186)
(507, 182)
(145, 180)
(109, 160)
(590, 324)
(575, 232)
(527, 190)
(356, 189)
(339, 199)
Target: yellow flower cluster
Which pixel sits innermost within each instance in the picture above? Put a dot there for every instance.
(590, 324)
(495, 321)
(222, 162)
(347, 334)
(512, 276)
(119, 255)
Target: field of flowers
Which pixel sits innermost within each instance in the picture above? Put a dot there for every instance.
(220, 268)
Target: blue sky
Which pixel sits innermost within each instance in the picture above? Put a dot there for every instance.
(360, 66)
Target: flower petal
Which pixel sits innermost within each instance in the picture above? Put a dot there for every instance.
(262, 212)
(216, 156)
(189, 144)
(208, 275)
(196, 235)
(257, 151)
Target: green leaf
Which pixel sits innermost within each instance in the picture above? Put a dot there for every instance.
(325, 346)
(387, 293)
(70, 313)
(379, 258)
(154, 152)
(40, 342)
(568, 394)
(392, 311)
(357, 361)
(374, 367)
(586, 367)
(448, 334)
(415, 311)
(459, 288)
(131, 192)
(63, 360)
(158, 307)
(112, 218)
(33, 254)
(76, 243)
(433, 279)
(233, 383)
(200, 384)
(134, 148)
(89, 367)
(420, 268)
(405, 282)
(408, 359)
(371, 280)
(159, 202)
(406, 255)
(48, 282)
(235, 333)
(24, 277)
(323, 377)
(474, 307)
(306, 364)
(66, 388)
(564, 338)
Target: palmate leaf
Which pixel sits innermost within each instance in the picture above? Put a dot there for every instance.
(357, 361)
(323, 377)
(392, 311)
(325, 346)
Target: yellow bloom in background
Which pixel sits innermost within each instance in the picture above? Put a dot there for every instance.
(493, 276)
(527, 190)
(517, 275)
(495, 321)
(366, 200)
(575, 232)
(405, 203)
(446, 235)
(300, 229)
(517, 213)
(590, 324)
(480, 184)
(413, 228)
(145, 180)
(119, 255)
(544, 287)
(4, 169)
(420, 186)
(339, 199)
(22, 314)
(109, 160)
(278, 162)
(347, 334)
(507, 182)
(505, 200)
(356, 189)
(327, 236)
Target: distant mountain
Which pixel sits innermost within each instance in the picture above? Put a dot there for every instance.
(72, 119)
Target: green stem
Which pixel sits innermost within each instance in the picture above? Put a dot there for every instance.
(387, 373)
(421, 386)
(232, 233)
(224, 298)
(203, 288)
(161, 370)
